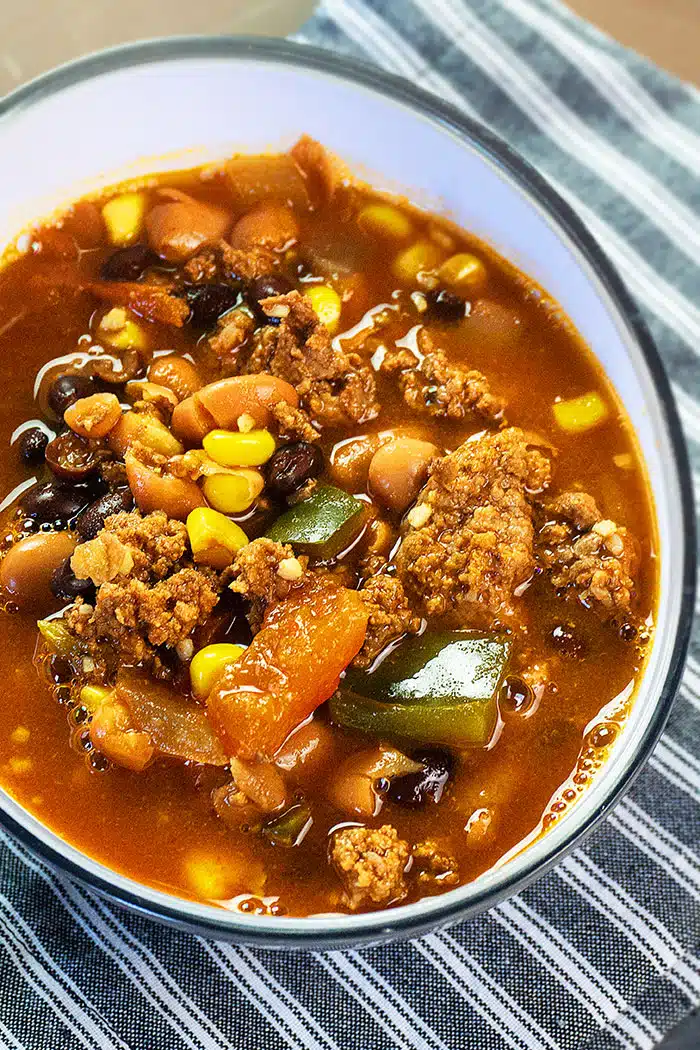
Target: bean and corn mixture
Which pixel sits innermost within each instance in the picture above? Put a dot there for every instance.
(327, 558)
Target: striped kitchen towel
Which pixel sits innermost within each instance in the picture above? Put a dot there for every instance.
(604, 952)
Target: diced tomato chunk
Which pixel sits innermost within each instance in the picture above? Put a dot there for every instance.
(292, 665)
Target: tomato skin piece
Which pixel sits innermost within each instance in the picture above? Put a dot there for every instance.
(292, 666)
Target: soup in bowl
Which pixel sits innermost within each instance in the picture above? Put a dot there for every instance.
(332, 568)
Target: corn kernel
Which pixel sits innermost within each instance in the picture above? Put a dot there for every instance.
(234, 492)
(214, 538)
(19, 735)
(579, 414)
(209, 662)
(463, 272)
(230, 448)
(124, 217)
(20, 765)
(624, 461)
(417, 259)
(119, 330)
(385, 221)
(208, 877)
(94, 696)
(327, 304)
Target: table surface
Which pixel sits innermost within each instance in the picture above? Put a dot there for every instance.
(667, 31)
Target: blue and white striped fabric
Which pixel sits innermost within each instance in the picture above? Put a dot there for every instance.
(604, 952)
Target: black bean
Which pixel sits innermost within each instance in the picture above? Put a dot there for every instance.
(32, 446)
(270, 284)
(208, 302)
(128, 264)
(61, 670)
(52, 501)
(516, 694)
(92, 520)
(445, 306)
(568, 641)
(71, 457)
(628, 632)
(66, 390)
(292, 465)
(413, 789)
(66, 585)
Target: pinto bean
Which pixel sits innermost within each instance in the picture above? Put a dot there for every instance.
(268, 225)
(350, 460)
(94, 416)
(146, 429)
(221, 404)
(177, 373)
(154, 491)
(176, 229)
(26, 571)
(399, 469)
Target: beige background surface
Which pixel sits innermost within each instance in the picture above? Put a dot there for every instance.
(38, 34)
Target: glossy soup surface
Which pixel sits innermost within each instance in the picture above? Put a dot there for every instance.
(159, 826)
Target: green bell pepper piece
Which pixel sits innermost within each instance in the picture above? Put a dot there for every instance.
(321, 525)
(440, 688)
(290, 828)
(57, 636)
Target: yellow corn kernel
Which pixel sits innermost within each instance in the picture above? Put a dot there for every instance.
(209, 662)
(327, 304)
(230, 448)
(419, 258)
(624, 461)
(234, 492)
(124, 217)
(579, 414)
(214, 538)
(94, 696)
(464, 272)
(208, 877)
(20, 765)
(19, 735)
(119, 330)
(385, 221)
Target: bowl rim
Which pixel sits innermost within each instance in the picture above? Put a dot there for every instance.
(327, 931)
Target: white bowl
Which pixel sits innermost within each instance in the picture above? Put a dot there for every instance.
(180, 102)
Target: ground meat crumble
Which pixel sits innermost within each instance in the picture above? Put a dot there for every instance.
(148, 595)
(258, 575)
(390, 617)
(334, 387)
(439, 389)
(371, 864)
(469, 539)
(434, 866)
(135, 618)
(588, 554)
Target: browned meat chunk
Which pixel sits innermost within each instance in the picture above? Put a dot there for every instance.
(439, 389)
(134, 618)
(433, 866)
(264, 572)
(156, 542)
(334, 387)
(371, 865)
(589, 554)
(224, 264)
(231, 333)
(390, 616)
(469, 543)
(293, 424)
